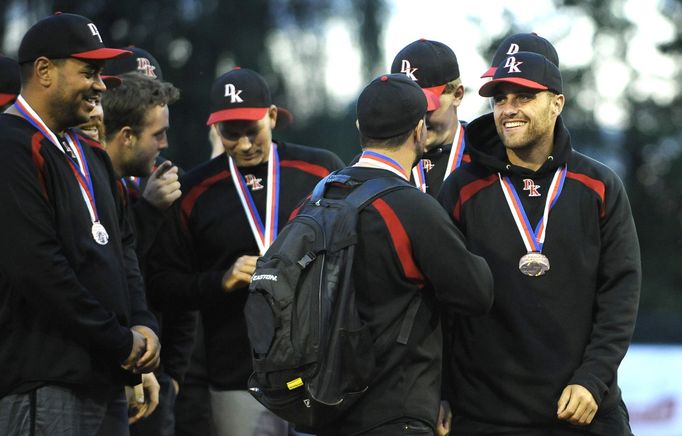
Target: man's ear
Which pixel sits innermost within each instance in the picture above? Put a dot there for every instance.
(420, 132)
(458, 95)
(127, 135)
(558, 104)
(272, 115)
(44, 71)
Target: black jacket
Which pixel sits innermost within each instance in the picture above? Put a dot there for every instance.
(66, 302)
(408, 246)
(571, 326)
(206, 231)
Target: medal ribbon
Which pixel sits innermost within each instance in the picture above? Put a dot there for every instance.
(533, 239)
(456, 152)
(419, 176)
(264, 235)
(79, 165)
(373, 159)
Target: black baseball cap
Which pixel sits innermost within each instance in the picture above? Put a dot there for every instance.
(10, 80)
(242, 94)
(65, 35)
(389, 106)
(141, 61)
(530, 70)
(431, 64)
(522, 42)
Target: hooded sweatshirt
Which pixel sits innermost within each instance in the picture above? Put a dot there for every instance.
(572, 325)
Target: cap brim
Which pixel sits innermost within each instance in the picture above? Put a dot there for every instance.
(111, 81)
(242, 113)
(7, 98)
(489, 73)
(487, 90)
(432, 100)
(102, 54)
(437, 90)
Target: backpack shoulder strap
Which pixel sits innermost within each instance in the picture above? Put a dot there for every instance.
(373, 188)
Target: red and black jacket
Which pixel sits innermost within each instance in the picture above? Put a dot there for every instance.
(570, 326)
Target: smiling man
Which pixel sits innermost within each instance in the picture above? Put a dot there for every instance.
(76, 327)
(557, 231)
(230, 212)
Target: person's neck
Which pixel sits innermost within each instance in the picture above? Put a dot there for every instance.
(532, 156)
(43, 108)
(402, 155)
(113, 149)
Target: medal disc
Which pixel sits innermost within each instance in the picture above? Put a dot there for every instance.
(99, 233)
(534, 264)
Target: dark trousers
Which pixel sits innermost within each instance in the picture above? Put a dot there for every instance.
(54, 410)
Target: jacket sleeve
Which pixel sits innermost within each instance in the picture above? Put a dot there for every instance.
(173, 282)
(148, 220)
(33, 260)
(461, 280)
(617, 298)
(179, 330)
(140, 313)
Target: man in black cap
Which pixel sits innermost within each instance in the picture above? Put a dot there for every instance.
(10, 81)
(76, 324)
(434, 67)
(409, 256)
(230, 211)
(545, 360)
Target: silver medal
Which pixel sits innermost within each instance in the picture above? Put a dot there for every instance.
(99, 233)
(534, 264)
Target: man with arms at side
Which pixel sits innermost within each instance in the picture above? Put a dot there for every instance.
(557, 231)
(76, 324)
(230, 211)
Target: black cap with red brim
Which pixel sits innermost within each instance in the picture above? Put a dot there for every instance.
(528, 70)
(65, 35)
(522, 42)
(242, 94)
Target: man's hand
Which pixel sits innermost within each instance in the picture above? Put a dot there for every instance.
(150, 400)
(139, 347)
(444, 419)
(239, 274)
(576, 405)
(149, 361)
(163, 187)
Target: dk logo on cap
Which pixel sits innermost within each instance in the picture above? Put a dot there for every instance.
(526, 69)
(65, 35)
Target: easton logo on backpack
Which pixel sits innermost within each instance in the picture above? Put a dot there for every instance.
(313, 356)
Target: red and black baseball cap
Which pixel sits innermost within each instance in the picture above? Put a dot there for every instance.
(141, 61)
(242, 94)
(431, 64)
(10, 80)
(527, 69)
(389, 106)
(522, 42)
(65, 35)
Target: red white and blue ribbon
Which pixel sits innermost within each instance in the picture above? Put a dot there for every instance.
(454, 161)
(373, 159)
(456, 152)
(533, 239)
(264, 234)
(419, 176)
(79, 165)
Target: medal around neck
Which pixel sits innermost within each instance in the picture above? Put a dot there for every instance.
(99, 233)
(534, 264)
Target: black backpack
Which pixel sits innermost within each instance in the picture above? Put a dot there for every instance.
(313, 356)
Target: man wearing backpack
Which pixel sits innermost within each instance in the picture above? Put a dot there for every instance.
(230, 212)
(407, 249)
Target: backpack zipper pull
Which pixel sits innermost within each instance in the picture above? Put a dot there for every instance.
(306, 259)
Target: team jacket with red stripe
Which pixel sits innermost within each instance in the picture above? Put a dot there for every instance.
(66, 302)
(570, 326)
(206, 232)
(407, 245)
